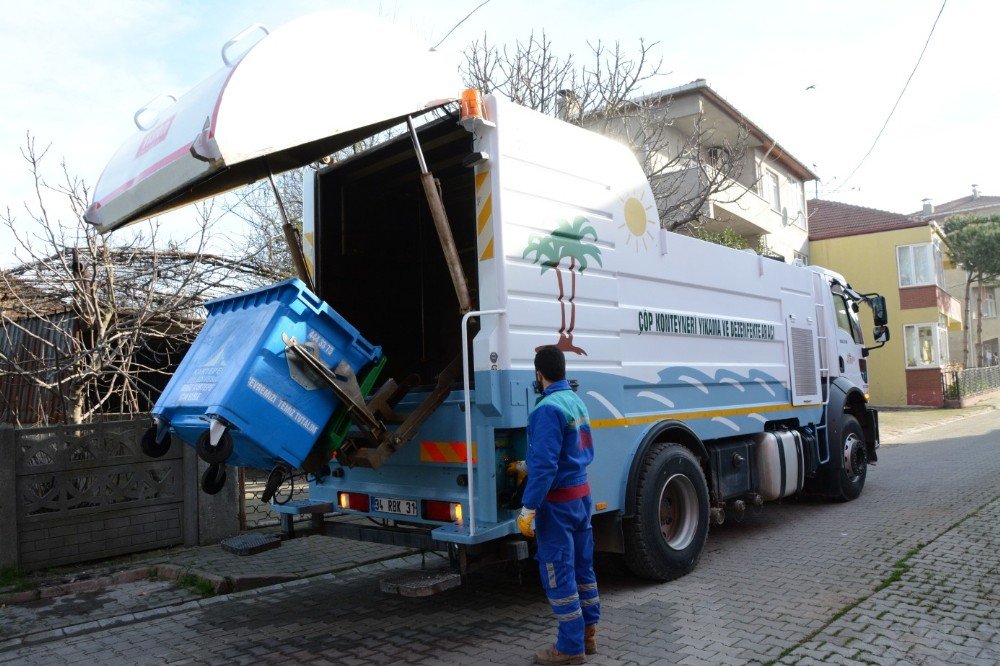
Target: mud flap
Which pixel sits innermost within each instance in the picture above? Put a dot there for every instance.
(869, 425)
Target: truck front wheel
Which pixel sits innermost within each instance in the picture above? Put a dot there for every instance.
(853, 460)
(667, 533)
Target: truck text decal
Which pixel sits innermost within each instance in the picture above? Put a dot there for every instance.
(685, 324)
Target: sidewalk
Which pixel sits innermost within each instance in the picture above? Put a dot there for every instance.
(897, 423)
(138, 588)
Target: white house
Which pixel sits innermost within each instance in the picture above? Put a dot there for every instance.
(765, 198)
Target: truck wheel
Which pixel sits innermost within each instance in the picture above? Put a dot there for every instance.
(667, 534)
(151, 447)
(851, 466)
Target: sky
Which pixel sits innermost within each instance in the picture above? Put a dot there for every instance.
(818, 76)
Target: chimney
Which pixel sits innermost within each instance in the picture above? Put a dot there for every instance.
(568, 106)
(928, 207)
(975, 191)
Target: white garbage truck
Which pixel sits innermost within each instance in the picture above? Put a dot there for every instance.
(464, 239)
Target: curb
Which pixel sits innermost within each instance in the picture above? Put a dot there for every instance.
(894, 439)
(74, 587)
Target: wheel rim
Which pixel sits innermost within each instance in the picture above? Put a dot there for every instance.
(855, 458)
(678, 512)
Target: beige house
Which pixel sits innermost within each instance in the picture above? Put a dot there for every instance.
(983, 296)
(764, 201)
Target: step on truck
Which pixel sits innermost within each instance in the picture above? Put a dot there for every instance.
(448, 239)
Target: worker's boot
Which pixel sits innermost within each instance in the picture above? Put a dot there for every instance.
(552, 656)
(590, 639)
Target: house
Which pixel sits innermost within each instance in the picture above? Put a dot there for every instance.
(983, 296)
(900, 257)
(56, 362)
(756, 187)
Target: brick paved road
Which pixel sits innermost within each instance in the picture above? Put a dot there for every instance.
(773, 583)
(945, 606)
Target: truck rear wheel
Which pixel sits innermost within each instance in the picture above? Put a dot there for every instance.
(851, 467)
(664, 539)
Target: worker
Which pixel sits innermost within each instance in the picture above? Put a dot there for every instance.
(557, 507)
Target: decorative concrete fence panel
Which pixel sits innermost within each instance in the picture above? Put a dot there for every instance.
(85, 492)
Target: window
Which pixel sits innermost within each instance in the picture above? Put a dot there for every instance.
(796, 204)
(804, 258)
(920, 264)
(988, 302)
(845, 321)
(772, 189)
(926, 345)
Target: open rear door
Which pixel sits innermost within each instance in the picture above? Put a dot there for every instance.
(304, 91)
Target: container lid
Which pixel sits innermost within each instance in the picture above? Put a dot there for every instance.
(306, 90)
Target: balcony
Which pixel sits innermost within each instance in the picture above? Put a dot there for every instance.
(734, 206)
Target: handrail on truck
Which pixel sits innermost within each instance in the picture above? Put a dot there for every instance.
(468, 411)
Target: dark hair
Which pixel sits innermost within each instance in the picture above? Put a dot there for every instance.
(551, 362)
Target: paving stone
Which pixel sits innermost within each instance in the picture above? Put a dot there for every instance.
(762, 586)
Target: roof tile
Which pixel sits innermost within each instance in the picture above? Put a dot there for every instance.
(832, 219)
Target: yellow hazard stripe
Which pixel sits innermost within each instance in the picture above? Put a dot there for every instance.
(488, 252)
(682, 416)
(484, 215)
(446, 452)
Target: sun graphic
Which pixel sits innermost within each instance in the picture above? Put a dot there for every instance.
(637, 220)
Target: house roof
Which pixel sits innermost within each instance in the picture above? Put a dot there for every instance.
(774, 149)
(969, 204)
(832, 219)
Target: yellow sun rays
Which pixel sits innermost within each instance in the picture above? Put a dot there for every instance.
(637, 220)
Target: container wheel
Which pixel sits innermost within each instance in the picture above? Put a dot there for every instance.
(151, 447)
(667, 534)
(213, 479)
(217, 454)
(851, 466)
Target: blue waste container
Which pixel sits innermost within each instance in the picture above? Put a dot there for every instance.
(237, 372)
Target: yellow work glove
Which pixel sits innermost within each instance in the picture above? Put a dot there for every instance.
(519, 469)
(525, 522)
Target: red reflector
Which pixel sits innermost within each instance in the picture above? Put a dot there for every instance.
(435, 510)
(354, 501)
(446, 512)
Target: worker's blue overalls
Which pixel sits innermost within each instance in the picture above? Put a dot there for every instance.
(559, 449)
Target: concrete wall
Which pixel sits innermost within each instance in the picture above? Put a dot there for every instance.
(78, 493)
(868, 262)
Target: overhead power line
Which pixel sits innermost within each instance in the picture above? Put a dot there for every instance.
(901, 93)
(478, 7)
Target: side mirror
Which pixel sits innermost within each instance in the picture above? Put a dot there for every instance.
(879, 312)
(881, 334)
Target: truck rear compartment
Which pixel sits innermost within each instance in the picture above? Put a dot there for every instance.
(378, 257)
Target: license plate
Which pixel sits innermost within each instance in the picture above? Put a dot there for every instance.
(400, 506)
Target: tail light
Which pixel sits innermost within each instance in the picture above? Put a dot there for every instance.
(443, 511)
(354, 501)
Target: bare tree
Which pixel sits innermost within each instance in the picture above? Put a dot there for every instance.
(92, 324)
(265, 246)
(685, 168)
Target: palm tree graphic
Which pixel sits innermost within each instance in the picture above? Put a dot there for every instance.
(567, 241)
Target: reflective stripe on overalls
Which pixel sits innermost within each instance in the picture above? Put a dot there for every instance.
(565, 561)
